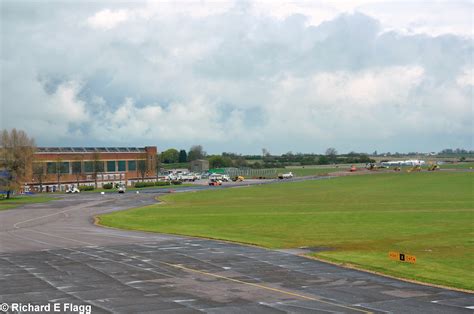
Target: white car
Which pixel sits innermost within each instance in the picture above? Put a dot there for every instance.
(121, 188)
(73, 190)
(225, 178)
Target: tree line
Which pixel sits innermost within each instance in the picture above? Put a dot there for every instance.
(172, 155)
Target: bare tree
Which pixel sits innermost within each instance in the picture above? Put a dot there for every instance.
(142, 166)
(157, 166)
(58, 169)
(77, 168)
(16, 155)
(97, 167)
(266, 155)
(39, 173)
(331, 152)
(196, 152)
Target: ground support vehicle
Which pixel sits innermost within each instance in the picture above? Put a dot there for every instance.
(288, 175)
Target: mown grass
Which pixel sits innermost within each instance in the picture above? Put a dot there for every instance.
(16, 201)
(460, 165)
(310, 170)
(359, 218)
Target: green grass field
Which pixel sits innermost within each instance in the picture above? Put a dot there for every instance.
(460, 165)
(310, 170)
(358, 218)
(21, 200)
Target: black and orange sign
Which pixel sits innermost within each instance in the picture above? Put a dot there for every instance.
(402, 257)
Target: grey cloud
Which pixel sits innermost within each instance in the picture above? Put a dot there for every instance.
(232, 69)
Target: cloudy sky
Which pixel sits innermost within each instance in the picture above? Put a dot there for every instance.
(240, 76)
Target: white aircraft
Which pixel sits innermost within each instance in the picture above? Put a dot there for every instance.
(411, 162)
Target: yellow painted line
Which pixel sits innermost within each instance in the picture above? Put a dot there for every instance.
(265, 287)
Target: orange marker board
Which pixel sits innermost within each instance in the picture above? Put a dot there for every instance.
(410, 259)
(394, 255)
(397, 256)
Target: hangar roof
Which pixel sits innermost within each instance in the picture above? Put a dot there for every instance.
(90, 149)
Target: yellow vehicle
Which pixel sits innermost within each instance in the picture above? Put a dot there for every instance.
(238, 179)
(433, 168)
(414, 169)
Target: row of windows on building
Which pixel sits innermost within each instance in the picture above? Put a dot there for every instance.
(93, 166)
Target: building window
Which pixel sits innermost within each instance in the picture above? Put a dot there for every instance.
(50, 167)
(99, 166)
(132, 165)
(64, 167)
(76, 167)
(122, 165)
(89, 166)
(55, 167)
(111, 166)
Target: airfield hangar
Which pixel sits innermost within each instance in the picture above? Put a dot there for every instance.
(88, 165)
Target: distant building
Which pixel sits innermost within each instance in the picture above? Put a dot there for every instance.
(199, 165)
(88, 165)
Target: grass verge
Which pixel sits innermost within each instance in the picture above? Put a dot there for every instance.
(360, 218)
(21, 200)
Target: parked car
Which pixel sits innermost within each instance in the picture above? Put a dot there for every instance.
(215, 182)
(121, 188)
(73, 189)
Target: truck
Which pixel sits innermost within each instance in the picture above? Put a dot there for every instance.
(288, 175)
(187, 177)
(221, 177)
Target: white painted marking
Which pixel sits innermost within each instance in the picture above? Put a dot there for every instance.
(132, 282)
(471, 307)
(53, 214)
(226, 267)
(188, 300)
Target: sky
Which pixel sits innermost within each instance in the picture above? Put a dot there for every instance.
(239, 76)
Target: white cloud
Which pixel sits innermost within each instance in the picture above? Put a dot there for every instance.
(65, 106)
(239, 76)
(466, 77)
(54, 116)
(108, 19)
(193, 120)
(358, 102)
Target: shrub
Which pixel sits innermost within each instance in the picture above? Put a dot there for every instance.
(107, 186)
(162, 183)
(86, 188)
(144, 184)
(176, 182)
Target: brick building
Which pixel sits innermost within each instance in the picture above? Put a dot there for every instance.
(60, 167)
